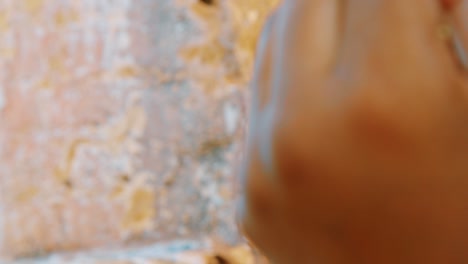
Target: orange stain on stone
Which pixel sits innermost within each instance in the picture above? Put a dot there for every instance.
(141, 210)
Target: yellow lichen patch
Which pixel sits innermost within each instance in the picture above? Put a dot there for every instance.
(60, 18)
(45, 83)
(33, 6)
(27, 194)
(64, 17)
(238, 22)
(203, 10)
(7, 53)
(4, 21)
(56, 63)
(117, 191)
(62, 174)
(208, 53)
(247, 20)
(247, 39)
(242, 255)
(127, 71)
(141, 210)
(129, 126)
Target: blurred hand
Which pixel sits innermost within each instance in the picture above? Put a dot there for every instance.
(358, 143)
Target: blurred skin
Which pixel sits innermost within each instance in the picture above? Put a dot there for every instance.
(358, 143)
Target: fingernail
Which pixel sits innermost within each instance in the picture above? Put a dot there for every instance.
(460, 51)
(460, 14)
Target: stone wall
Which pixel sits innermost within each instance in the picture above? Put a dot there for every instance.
(121, 121)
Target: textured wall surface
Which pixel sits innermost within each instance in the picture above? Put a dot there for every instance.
(121, 121)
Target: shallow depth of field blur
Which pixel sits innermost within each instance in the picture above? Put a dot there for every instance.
(121, 126)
